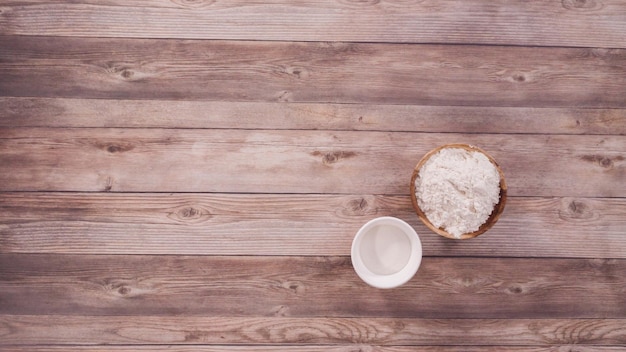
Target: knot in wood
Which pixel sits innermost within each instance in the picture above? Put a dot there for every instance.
(123, 290)
(128, 74)
(108, 184)
(605, 162)
(515, 289)
(601, 160)
(294, 286)
(297, 72)
(193, 3)
(357, 206)
(194, 336)
(576, 209)
(118, 287)
(281, 311)
(580, 4)
(190, 214)
(361, 3)
(285, 96)
(113, 148)
(334, 157)
(126, 71)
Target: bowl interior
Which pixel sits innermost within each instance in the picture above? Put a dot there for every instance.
(373, 252)
(495, 214)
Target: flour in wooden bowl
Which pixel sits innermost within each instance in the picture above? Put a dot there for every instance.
(457, 190)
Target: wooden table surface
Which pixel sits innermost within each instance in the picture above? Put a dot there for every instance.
(188, 175)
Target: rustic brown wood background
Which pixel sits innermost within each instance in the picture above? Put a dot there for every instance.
(188, 175)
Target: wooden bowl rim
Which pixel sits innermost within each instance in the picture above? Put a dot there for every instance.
(495, 214)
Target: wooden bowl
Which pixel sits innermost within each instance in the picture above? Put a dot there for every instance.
(495, 214)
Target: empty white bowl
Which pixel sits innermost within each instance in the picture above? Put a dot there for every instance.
(386, 252)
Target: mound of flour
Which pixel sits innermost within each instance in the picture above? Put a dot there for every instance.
(457, 190)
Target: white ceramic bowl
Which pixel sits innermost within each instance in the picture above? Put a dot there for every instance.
(386, 252)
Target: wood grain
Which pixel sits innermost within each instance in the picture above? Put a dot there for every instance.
(314, 348)
(64, 112)
(307, 287)
(235, 224)
(300, 331)
(590, 23)
(468, 75)
(185, 160)
(188, 175)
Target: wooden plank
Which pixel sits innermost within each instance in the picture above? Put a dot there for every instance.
(552, 23)
(466, 75)
(155, 160)
(252, 286)
(21, 330)
(62, 112)
(315, 348)
(244, 224)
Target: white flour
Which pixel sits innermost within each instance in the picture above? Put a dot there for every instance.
(457, 190)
